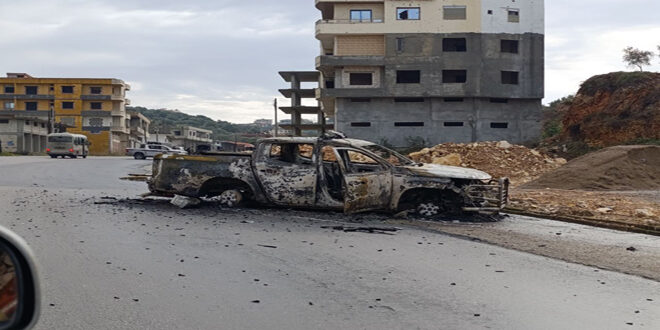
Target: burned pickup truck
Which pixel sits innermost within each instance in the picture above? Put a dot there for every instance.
(331, 172)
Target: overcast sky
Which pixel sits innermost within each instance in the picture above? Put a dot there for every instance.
(220, 58)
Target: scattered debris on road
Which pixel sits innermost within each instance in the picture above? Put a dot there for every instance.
(184, 202)
(371, 230)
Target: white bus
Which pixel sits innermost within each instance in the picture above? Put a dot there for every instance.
(67, 144)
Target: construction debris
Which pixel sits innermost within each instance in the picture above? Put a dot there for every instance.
(371, 230)
(184, 202)
(499, 159)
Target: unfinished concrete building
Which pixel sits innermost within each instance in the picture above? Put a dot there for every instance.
(296, 93)
(458, 70)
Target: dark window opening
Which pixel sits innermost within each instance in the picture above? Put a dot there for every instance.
(9, 89)
(408, 99)
(177, 133)
(360, 100)
(509, 46)
(499, 125)
(360, 15)
(510, 77)
(409, 124)
(454, 76)
(514, 16)
(407, 13)
(95, 90)
(490, 11)
(453, 99)
(96, 105)
(454, 12)
(31, 90)
(453, 124)
(32, 106)
(51, 87)
(67, 89)
(67, 105)
(330, 84)
(4, 121)
(454, 45)
(361, 124)
(361, 79)
(408, 77)
(399, 44)
(494, 100)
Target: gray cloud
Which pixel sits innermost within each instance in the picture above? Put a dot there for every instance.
(220, 58)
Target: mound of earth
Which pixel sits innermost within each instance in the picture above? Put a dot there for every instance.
(614, 108)
(499, 159)
(613, 168)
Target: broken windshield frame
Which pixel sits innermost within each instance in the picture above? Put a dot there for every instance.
(389, 155)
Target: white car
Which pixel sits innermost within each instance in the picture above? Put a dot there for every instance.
(151, 150)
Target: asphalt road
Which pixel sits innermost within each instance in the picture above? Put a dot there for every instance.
(131, 265)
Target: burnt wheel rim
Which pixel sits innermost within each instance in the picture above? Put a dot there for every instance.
(428, 209)
(230, 198)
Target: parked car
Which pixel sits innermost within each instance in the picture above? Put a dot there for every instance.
(151, 150)
(329, 173)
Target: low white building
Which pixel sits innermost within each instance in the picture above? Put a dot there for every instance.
(22, 133)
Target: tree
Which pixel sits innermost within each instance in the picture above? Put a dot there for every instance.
(637, 58)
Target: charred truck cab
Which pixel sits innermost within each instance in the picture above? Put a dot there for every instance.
(333, 173)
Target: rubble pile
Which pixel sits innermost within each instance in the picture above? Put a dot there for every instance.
(499, 159)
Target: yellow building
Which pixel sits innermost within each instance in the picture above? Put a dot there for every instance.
(89, 106)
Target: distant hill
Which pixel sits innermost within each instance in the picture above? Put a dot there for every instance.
(166, 120)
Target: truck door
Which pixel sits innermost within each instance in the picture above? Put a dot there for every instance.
(367, 182)
(288, 173)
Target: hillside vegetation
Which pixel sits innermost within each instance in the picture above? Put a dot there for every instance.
(164, 121)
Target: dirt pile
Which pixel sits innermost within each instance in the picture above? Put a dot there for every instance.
(615, 108)
(499, 159)
(614, 168)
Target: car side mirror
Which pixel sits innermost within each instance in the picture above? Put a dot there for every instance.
(19, 283)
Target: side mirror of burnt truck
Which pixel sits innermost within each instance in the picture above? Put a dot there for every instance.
(19, 283)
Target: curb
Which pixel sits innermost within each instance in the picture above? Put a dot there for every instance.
(609, 224)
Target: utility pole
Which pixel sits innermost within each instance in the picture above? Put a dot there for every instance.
(276, 123)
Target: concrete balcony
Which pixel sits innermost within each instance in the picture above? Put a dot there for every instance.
(348, 26)
(119, 113)
(26, 97)
(120, 129)
(26, 113)
(327, 62)
(137, 131)
(96, 113)
(100, 97)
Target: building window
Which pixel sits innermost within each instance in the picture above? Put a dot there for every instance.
(330, 84)
(68, 121)
(67, 89)
(9, 89)
(510, 77)
(67, 105)
(490, 11)
(495, 100)
(408, 77)
(360, 100)
(31, 90)
(454, 76)
(408, 99)
(454, 12)
(509, 46)
(9, 105)
(32, 106)
(360, 15)
(407, 13)
(454, 45)
(409, 124)
(177, 133)
(361, 79)
(361, 124)
(95, 90)
(514, 15)
(399, 44)
(4, 121)
(453, 124)
(499, 125)
(453, 99)
(96, 105)
(43, 125)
